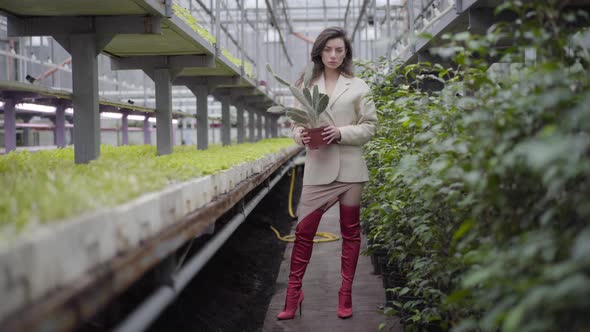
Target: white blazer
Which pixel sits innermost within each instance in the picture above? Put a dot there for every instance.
(356, 117)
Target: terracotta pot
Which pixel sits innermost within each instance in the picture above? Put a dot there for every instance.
(317, 140)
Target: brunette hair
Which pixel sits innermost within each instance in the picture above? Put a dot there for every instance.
(318, 47)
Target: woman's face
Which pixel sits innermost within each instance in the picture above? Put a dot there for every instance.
(333, 53)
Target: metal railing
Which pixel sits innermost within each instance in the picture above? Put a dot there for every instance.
(403, 23)
(414, 18)
(389, 29)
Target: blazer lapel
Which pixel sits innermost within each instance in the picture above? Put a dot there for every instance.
(321, 83)
(342, 85)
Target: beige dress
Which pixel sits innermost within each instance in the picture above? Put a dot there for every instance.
(321, 196)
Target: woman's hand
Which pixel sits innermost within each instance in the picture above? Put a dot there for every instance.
(331, 134)
(302, 138)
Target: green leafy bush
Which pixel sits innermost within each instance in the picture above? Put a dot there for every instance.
(47, 186)
(480, 192)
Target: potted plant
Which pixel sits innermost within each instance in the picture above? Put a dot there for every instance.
(313, 103)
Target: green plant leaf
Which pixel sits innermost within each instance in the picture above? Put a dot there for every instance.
(307, 95)
(298, 111)
(316, 96)
(490, 175)
(277, 77)
(276, 109)
(463, 229)
(322, 104)
(298, 118)
(300, 97)
(581, 247)
(282, 81)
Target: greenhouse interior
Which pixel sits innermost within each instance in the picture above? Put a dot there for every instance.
(159, 169)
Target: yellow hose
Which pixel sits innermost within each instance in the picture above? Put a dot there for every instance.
(325, 236)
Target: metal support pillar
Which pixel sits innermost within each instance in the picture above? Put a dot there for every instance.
(26, 136)
(251, 121)
(266, 126)
(27, 132)
(240, 123)
(9, 125)
(174, 129)
(163, 81)
(202, 92)
(84, 51)
(53, 120)
(72, 130)
(225, 122)
(147, 135)
(183, 125)
(125, 128)
(60, 125)
(259, 127)
(84, 37)
(163, 70)
(274, 127)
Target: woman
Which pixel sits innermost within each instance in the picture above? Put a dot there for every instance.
(335, 172)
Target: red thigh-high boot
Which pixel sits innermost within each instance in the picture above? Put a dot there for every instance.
(304, 234)
(351, 245)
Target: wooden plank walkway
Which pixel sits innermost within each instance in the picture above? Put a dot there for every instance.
(321, 284)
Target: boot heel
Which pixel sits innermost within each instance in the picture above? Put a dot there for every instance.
(290, 309)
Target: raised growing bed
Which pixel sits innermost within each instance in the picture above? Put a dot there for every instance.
(52, 256)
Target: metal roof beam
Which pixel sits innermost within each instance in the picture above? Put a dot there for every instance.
(254, 99)
(302, 20)
(358, 21)
(236, 92)
(242, 9)
(346, 11)
(49, 26)
(163, 61)
(287, 20)
(210, 81)
(277, 27)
